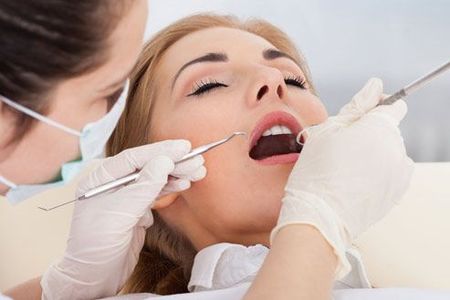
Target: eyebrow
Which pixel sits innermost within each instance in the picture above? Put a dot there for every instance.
(268, 54)
(210, 57)
(271, 54)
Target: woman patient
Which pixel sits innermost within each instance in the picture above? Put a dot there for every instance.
(201, 79)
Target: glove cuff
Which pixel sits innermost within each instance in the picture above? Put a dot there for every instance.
(307, 208)
(57, 284)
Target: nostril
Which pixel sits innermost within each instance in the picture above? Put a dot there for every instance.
(262, 91)
(280, 91)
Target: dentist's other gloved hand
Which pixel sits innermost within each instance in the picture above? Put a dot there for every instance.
(108, 231)
(352, 170)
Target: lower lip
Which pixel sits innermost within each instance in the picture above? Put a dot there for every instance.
(279, 159)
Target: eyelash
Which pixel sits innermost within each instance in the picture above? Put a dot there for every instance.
(297, 81)
(204, 87)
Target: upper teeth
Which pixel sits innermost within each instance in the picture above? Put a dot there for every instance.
(277, 129)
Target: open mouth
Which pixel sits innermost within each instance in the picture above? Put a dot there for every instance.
(273, 139)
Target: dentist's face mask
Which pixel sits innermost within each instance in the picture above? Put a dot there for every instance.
(92, 139)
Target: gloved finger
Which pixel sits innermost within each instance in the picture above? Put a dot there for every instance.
(134, 159)
(314, 131)
(130, 160)
(92, 180)
(184, 168)
(152, 179)
(156, 172)
(175, 185)
(133, 200)
(366, 99)
(196, 175)
(394, 112)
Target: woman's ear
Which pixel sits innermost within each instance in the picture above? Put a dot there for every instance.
(165, 201)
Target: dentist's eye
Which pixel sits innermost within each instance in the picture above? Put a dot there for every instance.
(296, 81)
(203, 87)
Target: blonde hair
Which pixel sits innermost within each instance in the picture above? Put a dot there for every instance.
(166, 260)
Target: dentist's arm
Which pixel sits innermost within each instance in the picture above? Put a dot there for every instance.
(352, 170)
(300, 265)
(108, 231)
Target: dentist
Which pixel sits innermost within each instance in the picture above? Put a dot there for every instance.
(64, 68)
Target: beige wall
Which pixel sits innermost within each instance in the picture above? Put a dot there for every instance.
(31, 238)
(410, 247)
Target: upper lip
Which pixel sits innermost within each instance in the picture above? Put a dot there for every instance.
(272, 119)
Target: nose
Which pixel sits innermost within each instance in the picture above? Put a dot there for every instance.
(268, 85)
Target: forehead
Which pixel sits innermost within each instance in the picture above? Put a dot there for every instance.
(233, 42)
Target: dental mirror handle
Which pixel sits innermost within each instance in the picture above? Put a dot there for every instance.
(415, 85)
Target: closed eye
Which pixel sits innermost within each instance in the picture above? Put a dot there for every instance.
(296, 81)
(204, 87)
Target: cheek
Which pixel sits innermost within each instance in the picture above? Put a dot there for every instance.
(199, 121)
(51, 148)
(311, 110)
(317, 112)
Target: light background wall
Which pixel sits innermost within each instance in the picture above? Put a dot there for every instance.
(346, 42)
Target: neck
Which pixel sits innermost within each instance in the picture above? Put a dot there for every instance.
(202, 237)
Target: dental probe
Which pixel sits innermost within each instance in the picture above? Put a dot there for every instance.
(134, 176)
(415, 85)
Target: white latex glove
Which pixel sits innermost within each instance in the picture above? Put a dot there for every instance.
(108, 231)
(352, 170)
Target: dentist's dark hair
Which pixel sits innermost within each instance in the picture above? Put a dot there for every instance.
(46, 41)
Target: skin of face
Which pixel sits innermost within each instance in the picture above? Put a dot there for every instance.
(74, 102)
(239, 199)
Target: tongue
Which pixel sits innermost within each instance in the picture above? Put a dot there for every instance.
(275, 145)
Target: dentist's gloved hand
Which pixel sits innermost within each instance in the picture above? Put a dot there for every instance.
(352, 170)
(108, 231)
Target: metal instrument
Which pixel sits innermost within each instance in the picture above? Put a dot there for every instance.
(134, 176)
(415, 85)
